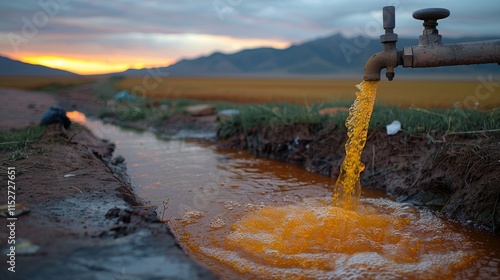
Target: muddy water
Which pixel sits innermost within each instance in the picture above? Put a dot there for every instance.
(257, 218)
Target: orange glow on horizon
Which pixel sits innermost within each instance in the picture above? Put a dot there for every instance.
(179, 46)
(84, 66)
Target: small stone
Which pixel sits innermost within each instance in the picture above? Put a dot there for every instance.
(227, 114)
(218, 223)
(113, 213)
(200, 110)
(25, 247)
(119, 159)
(230, 205)
(191, 217)
(55, 114)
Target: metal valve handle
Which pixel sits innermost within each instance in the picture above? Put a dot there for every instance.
(389, 23)
(389, 17)
(430, 17)
(431, 14)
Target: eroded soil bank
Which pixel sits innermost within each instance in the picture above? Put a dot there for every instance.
(454, 174)
(84, 221)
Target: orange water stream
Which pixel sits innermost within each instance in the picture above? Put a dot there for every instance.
(347, 189)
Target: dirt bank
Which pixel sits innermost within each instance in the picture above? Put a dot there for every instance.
(454, 174)
(84, 222)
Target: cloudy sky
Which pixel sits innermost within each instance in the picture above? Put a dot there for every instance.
(93, 36)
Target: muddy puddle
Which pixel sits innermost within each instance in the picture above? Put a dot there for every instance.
(257, 218)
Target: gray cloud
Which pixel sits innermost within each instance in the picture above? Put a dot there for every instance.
(291, 20)
(91, 26)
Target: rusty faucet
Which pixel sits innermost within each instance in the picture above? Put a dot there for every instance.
(429, 52)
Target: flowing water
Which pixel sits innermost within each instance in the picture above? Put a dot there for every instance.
(248, 218)
(347, 189)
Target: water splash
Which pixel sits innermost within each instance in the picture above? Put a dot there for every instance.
(314, 240)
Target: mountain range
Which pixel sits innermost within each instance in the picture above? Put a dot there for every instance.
(333, 55)
(10, 67)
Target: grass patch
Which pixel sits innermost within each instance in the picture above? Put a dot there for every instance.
(455, 120)
(127, 112)
(413, 120)
(277, 114)
(155, 111)
(17, 143)
(177, 105)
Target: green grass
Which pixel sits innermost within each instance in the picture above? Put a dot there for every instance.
(125, 112)
(413, 120)
(176, 106)
(276, 114)
(451, 121)
(17, 143)
(147, 110)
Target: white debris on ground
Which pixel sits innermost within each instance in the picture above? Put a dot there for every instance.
(393, 128)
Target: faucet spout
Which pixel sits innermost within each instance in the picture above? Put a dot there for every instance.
(389, 59)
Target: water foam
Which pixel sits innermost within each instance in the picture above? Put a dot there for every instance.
(313, 240)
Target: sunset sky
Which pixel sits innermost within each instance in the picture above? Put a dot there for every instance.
(91, 37)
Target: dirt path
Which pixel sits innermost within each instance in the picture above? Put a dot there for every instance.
(19, 108)
(84, 221)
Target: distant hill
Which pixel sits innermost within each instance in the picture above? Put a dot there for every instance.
(10, 67)
(330, 56)
(333, 55)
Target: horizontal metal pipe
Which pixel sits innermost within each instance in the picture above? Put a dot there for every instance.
(480, 52)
